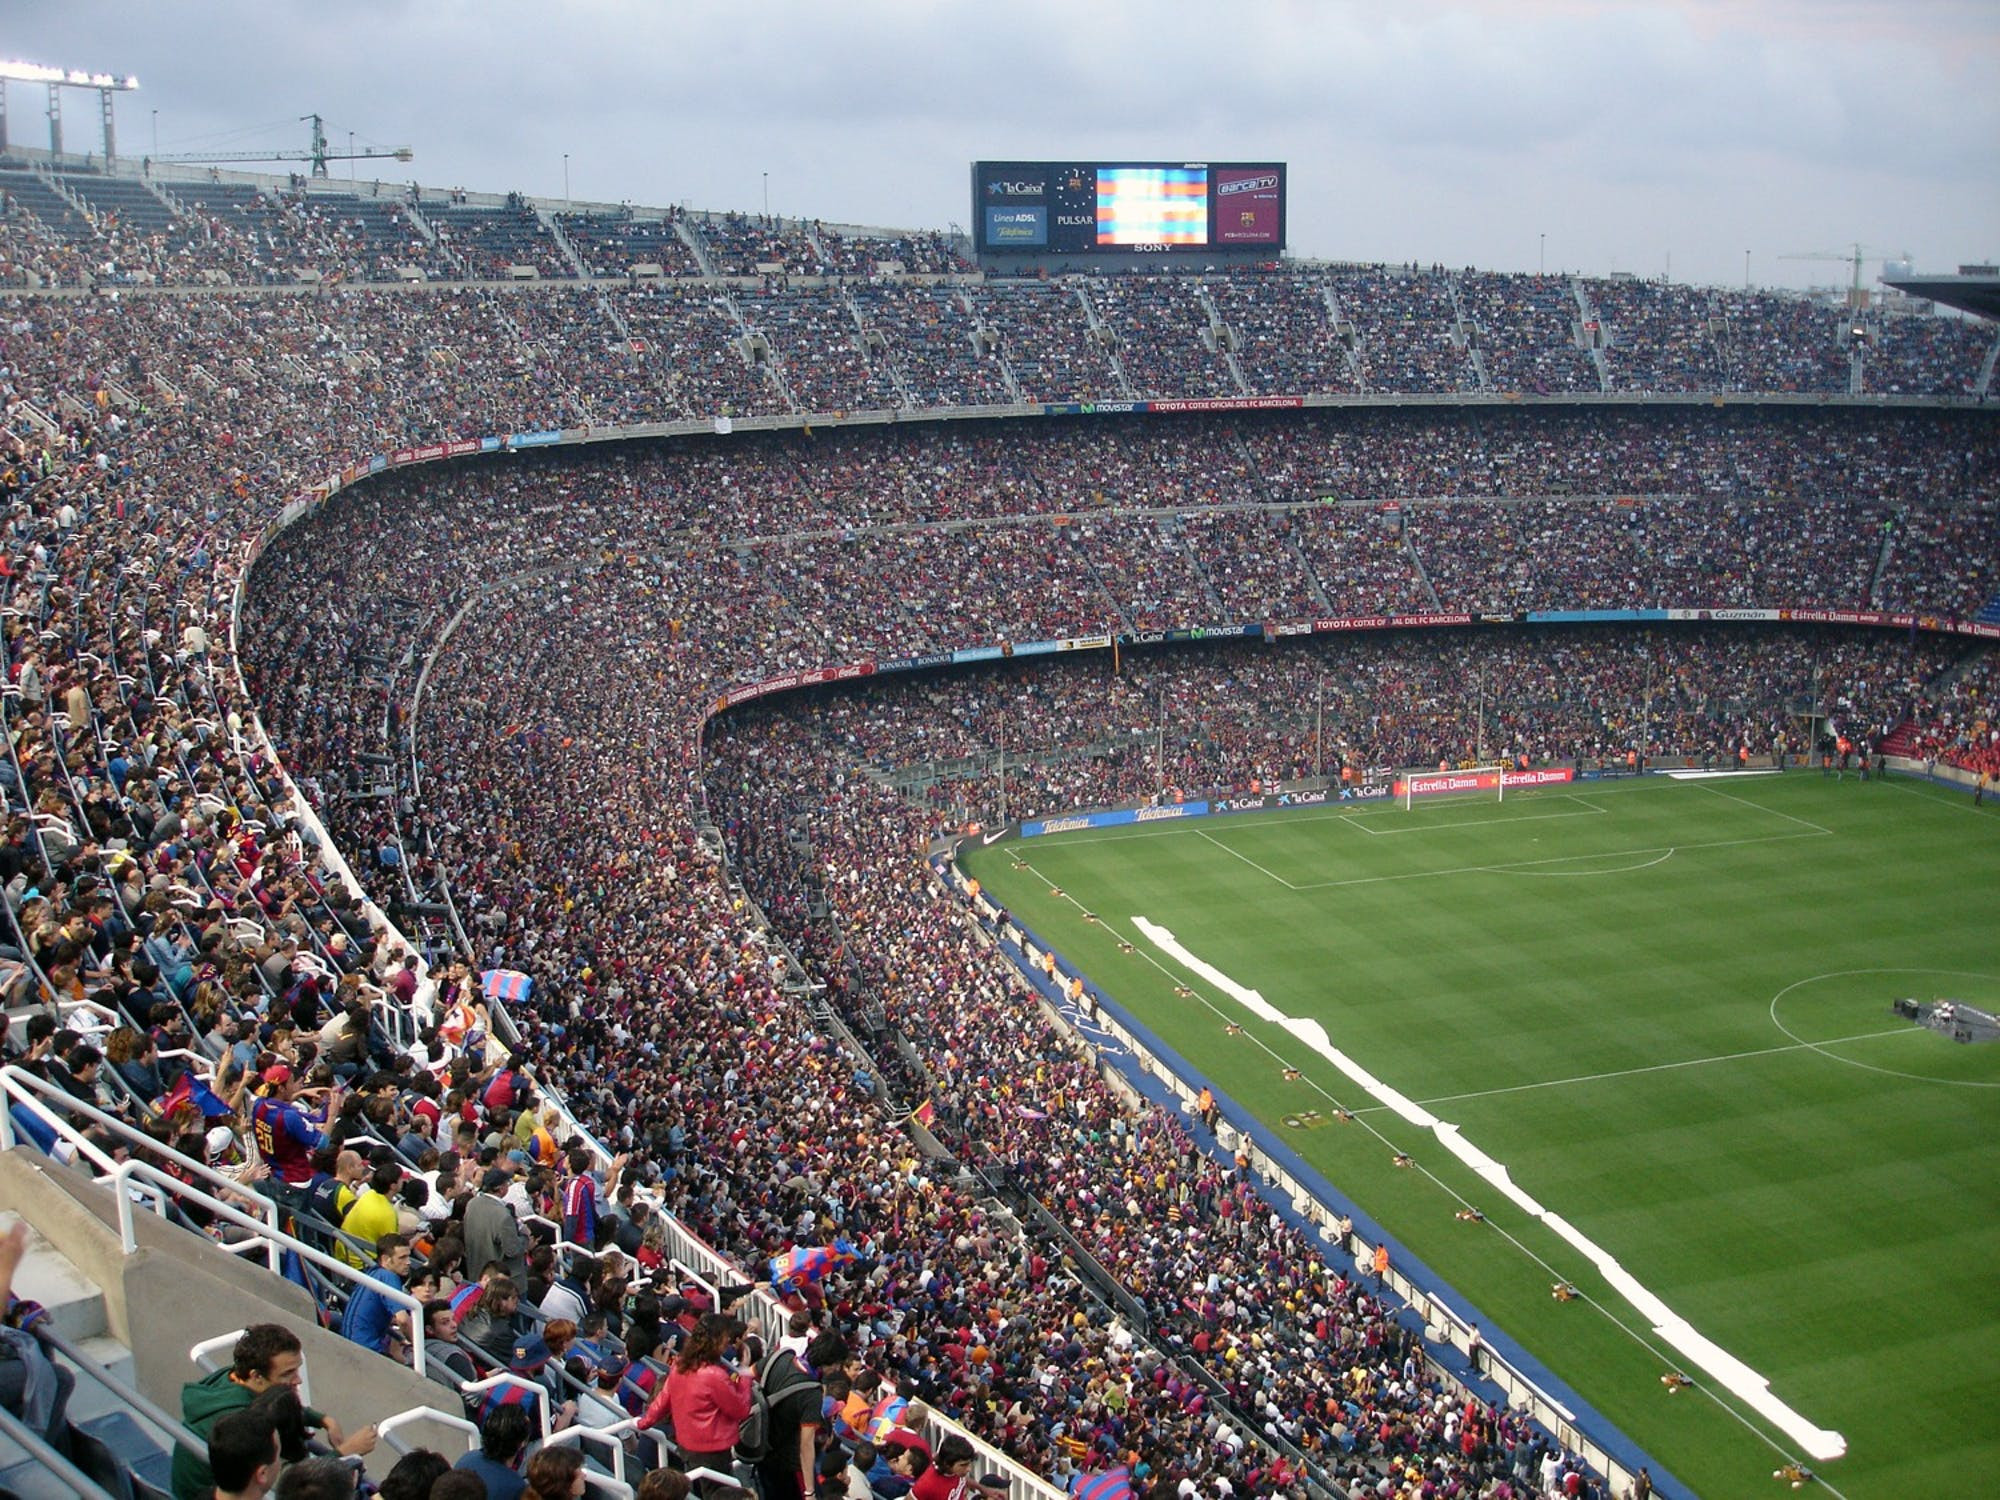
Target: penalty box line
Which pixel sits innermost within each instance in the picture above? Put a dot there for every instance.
(1561, 859)
(1591, 809)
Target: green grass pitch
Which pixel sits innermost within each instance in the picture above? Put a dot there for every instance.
(1665, 1006)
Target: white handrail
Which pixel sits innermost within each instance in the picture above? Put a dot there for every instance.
(614, 1435)
(613, 1483)
(20, 1084)
(67, 1008)
(279, 1242)
(506, 1377)
(697, 1476)
(427, 1414)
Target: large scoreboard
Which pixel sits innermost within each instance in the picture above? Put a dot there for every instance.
(1128, 207)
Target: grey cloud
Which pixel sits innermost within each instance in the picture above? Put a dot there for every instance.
(1456, 133)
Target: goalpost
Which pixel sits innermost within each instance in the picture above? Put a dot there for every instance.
(1474, 781)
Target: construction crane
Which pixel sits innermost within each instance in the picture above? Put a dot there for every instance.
(1857, 296)
(317, 153)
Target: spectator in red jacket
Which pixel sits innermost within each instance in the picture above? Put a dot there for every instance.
(705, 1395)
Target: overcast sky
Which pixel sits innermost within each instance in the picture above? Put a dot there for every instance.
(1636, 135)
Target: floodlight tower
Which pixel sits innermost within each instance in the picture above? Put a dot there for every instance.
(58, 79)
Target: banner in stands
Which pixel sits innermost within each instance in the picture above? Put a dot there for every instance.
(914, 663)
(785, 681)
(1117, 817)
(1318, 797)
(1485, 781)
(530, 439)
(1229, 403)
(1212, 403)
(1388, 622)
(1198, 633)
(1594, 616)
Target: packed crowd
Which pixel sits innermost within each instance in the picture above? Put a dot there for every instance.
(1242, 715)
(1958, 722)
(1656, 337)
(1596, 694)
(1168, 342)
(1294, 330)
(1528, 330)
(146, 437)
(615, 244)
(1283, 334)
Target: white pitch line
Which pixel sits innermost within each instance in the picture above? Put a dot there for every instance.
(1744, 1383)
(1529, 864)
(1658, 859)
(1382, 833)
(1691, 1062)
(1358, 1117)
(1204, 834)
(1706, 786)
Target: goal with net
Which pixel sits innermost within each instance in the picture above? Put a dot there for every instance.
(1473, 781)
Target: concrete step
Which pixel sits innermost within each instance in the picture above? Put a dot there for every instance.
(76, 1306)
(114, 1356)
(92, 1399)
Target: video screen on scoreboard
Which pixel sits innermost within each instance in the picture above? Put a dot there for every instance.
(1129, 206)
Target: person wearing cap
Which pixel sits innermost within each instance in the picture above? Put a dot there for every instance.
(285, 1136)
(492, 1233)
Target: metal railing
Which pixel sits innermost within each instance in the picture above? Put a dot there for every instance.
(278, 1243)
(388, 1427)
(155, 1415)
(55, 1467)
(614, 1484)
(17, 1085)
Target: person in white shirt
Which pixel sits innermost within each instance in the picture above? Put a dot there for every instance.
(798, 1333)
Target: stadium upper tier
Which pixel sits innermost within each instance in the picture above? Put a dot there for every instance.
(663, 314)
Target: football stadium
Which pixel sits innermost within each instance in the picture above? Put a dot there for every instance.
(651, 847)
